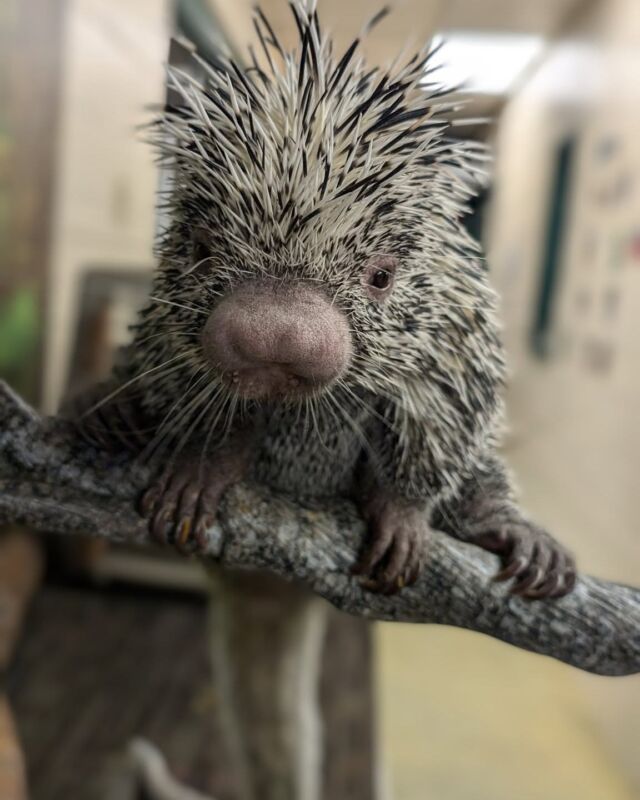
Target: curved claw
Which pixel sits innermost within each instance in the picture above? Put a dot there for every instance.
(381, 539)
(560, 580)
(514, 568)
(531, 579)
(393, 556)
(540, 566)
(182, 504)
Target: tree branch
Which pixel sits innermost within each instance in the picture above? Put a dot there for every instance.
(53, 482)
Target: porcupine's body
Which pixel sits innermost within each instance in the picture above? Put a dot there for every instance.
(320, 319)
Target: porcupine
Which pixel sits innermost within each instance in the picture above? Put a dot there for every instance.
(320, 320)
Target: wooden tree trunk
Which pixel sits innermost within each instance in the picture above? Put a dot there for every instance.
(348, 709)
(268, 646)
(20, 571)
(13, 782)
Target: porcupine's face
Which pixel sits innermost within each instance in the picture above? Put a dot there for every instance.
(316, 215)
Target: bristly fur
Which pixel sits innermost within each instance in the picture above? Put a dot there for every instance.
(301, 171)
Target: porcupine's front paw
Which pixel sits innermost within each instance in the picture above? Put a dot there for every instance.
(183, 501)
(541, 567)
(394, 553)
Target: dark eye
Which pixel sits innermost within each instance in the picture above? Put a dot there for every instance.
(200, 251)
(378, 276)
(200, 254)
(380, 279)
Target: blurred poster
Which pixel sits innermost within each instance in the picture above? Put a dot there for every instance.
(542, 339)
(606, 252)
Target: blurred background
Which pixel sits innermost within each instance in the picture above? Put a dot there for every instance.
(460, 717)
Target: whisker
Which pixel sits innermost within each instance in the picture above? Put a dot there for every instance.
(230, 415)
(187, 435)
(177, 333)
(211, 428)
(179, 305)
(369, 409)
(163, 437)
(133, 380)
(364, 441)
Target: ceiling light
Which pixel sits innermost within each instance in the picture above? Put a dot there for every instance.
(484, 63)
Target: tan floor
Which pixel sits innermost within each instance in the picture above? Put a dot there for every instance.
(468, 718)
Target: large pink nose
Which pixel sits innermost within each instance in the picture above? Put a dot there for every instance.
(270, 340)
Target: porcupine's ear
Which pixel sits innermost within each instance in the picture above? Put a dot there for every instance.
(186, 59)
(182, 55)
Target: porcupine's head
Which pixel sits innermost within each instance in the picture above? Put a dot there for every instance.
(315, 236)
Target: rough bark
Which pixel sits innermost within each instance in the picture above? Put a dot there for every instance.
(51, 482)
(266, 637)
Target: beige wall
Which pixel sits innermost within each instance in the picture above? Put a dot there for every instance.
(114, 53)
(575, 438)
(411, 23)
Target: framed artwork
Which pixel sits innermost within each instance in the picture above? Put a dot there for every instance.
(556, 230)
